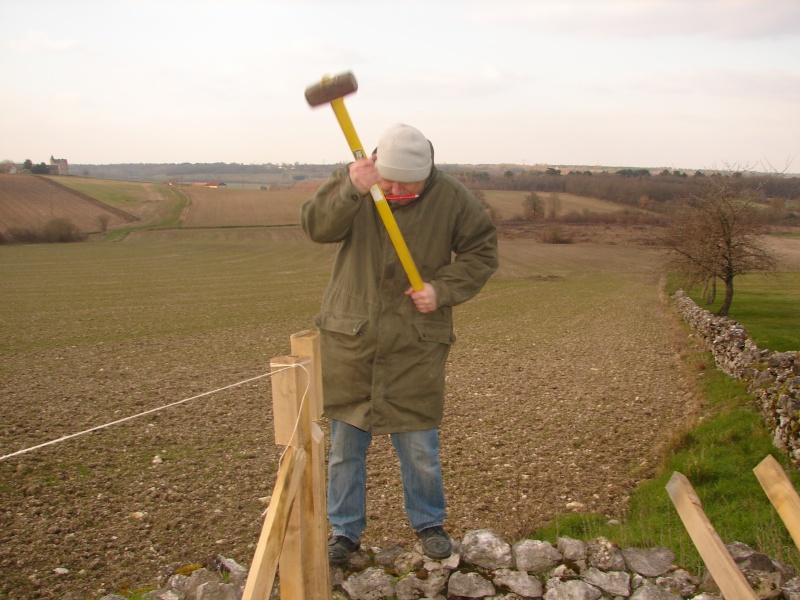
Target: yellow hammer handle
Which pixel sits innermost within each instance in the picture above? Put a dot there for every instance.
(397, 238)
(380, 200)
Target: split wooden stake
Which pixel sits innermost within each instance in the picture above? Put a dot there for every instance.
(268, 551)
(715, 555)
(781, 493)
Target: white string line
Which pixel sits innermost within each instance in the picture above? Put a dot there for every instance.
(299, 410)
(152, 410)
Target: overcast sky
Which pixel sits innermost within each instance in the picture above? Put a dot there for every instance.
(682, 84)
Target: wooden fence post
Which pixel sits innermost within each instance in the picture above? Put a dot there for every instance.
(305, 573)
(302, 554)
(715, 555)
(781, 493)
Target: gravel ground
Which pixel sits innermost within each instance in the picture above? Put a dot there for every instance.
(563, 388)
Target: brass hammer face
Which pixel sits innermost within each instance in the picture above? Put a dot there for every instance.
(331, 88)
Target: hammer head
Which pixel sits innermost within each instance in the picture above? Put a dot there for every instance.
(331, 88)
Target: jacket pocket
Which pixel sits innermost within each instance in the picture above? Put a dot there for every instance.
(434, 331)
(344, 324)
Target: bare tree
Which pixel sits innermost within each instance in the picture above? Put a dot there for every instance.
(715, 234)
(554, 205)
(533, 207)
(491, 211)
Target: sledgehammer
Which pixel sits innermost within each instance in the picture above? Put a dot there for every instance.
(332, 90)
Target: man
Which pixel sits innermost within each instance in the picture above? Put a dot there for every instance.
(384, 345)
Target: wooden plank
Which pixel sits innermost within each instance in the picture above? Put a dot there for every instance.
(716, 557)
(318, 574)
(304, 568)
(290, 391)
(261, 576)
(291, 564)
(289, 385)
(306, 344)
(781, 493)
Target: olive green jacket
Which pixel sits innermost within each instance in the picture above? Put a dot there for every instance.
(383, 362)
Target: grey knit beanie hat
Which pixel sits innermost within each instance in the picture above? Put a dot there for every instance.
(404, 154)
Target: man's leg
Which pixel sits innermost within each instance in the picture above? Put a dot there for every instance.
(347, 480)
(423, 487)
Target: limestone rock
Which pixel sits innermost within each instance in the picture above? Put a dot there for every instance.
(518, 582)
(604, 555)
(389, 554)
(571, 590)
(572, 550)
(412, 586)
(535, 556)
(198, 578)
(217, 590)
(372, 584)
(486, 549)
(649, 562)
(469, 585)
(616, 583)
(237, 574)
(679, 582)
(650, 591)
(791, 589)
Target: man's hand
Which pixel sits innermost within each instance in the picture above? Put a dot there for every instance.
(425, 299)
(364, 174)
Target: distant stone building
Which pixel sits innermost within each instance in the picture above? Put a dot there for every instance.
(58, 166)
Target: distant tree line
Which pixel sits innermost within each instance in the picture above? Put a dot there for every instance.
(192, 171)
(8, 166)
(40, 169)
(632, 187)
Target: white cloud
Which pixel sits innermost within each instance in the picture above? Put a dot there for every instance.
(725, 19)
(35, 41)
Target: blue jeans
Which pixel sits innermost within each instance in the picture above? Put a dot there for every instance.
(421, 472)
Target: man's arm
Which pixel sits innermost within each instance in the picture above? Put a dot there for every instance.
(475, 247)
(328, 216)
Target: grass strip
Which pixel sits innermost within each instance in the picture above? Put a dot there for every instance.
(766, 305)
(718, 457)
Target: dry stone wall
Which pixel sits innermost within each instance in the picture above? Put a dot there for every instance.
(483, 565)
(773, 378)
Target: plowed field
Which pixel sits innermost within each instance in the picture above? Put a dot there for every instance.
(563, 387)
(29, 202)
(228, 207)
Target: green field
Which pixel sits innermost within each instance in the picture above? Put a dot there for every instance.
(120, 194)
(767, 306)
